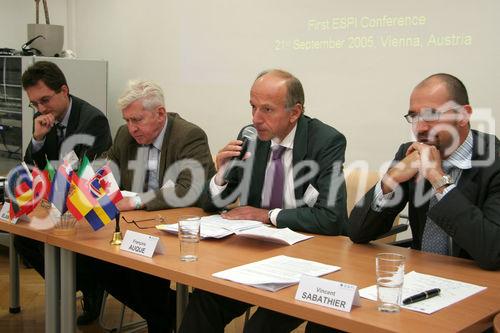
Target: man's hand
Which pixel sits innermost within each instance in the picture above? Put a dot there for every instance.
(127, 203)
(43, 124)
(430, 161)
(247, 213)
(232, 149)
(404, 170)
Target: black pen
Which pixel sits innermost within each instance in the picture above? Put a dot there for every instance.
(421, 296)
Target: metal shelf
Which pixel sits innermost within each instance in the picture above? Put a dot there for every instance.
(12, 85)
(19, 112)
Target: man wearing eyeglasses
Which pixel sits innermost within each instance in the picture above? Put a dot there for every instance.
(60, 115)
(450, 177)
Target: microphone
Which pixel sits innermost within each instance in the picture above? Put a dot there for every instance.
(248, 136)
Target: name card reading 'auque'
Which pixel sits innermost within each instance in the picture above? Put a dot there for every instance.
(333, 294)
(141, 244)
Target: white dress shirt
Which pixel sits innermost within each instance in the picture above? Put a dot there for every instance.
(288, 190)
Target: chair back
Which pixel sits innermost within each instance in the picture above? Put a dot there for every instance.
(358, 182)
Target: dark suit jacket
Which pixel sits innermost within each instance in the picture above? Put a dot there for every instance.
(84, 119)
(314, 141)
(182, 140)
(470, 213)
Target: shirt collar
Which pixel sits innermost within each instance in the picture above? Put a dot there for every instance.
(462, 157)
(158, 142)
(65, 119)
(287, 141)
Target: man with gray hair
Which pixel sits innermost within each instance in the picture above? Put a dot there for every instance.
(158, 152)
(162, 142)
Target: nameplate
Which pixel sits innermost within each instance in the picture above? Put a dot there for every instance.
(5, 214)
(141, 244)
(333, 294)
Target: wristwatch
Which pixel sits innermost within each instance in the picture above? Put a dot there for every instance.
(443, 181)
(137, 202)
(269, 216)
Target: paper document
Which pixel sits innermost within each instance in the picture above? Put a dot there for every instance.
(275, 273)
(452, 291)
(128, 194)
(271, 234)
(214, 226)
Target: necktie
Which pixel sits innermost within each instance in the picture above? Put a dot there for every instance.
(434, 239)
(60, 133)
(152, 168)
(276, 172)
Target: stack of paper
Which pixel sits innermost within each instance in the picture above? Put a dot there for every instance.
(451, 291)
(275, 273)
(215, 226)
(270, 234)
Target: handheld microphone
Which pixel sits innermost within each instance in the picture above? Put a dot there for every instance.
(248, 136)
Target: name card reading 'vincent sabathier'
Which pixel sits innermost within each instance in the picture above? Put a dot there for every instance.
(141, 244)
(336, 295)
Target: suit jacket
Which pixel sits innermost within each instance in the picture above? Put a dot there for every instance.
(182, 140)
(83, 119)
(314, 141)
(469, 213)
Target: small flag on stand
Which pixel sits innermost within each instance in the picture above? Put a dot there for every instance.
(109, 184)
(88, 199)
(41, 185)
(20, 185)
(60, 187)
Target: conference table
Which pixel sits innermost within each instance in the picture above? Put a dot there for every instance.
(357, 262)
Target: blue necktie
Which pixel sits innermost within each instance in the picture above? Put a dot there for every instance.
(434, 239)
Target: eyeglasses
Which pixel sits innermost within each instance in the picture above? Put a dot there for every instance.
(42, 101)
(157, 220)
(427, 115)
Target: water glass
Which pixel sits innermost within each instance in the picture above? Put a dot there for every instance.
(189, 237)
(390, 271)
(65, 224)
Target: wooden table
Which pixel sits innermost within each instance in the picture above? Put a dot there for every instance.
(357, 263)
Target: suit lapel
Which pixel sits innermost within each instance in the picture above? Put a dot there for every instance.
(131, 155)
(299, 152)
(164, 145)
(74, 117)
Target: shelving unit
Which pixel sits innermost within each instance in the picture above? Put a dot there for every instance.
(86, 78)
(11, 107)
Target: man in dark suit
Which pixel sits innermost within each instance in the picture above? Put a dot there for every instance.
(450, 177)
(168, 158)
(58, 116)
(282, 189)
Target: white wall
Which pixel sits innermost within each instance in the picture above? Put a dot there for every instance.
(205, 54)
(15, 15)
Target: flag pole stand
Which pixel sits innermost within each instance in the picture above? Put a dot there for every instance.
(117, 235)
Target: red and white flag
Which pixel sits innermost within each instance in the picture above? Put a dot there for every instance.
(108, 183)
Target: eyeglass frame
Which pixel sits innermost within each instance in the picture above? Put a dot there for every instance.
(415, 118)
(161, 219)
(43, 101)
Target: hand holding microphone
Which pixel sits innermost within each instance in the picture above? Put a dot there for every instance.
(235, 150)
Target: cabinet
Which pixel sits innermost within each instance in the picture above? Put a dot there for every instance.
(86, 79)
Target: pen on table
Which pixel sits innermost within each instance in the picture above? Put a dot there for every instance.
(421, 296)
